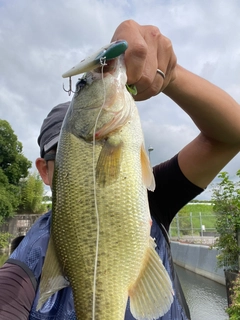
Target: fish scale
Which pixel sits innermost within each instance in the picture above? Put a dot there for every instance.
(112, 246)
(105, 197)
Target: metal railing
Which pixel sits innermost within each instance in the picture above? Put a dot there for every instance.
(193, 226)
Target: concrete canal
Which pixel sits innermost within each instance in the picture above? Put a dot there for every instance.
(207, 299)
(202, 281)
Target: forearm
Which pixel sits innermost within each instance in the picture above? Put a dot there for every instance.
(215, 113)
(16, 293)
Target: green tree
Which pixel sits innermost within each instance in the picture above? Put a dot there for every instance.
(32, 193)
(226, 200)
(4, 240)
(12, 161)
(47, 198)
(233, 309)
(13, 167)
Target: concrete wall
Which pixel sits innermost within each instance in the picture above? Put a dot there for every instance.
(199, 259)
(19, 224)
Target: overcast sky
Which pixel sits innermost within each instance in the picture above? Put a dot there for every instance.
(41, 39)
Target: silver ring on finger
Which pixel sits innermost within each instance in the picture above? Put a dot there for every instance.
(162, 74)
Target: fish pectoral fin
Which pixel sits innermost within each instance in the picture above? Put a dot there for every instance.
(151, 295)
(109, 161)
(52, 278)
(147, 172)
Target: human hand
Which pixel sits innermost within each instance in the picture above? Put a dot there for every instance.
(148, 50)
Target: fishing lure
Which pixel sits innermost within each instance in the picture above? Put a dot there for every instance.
(106, 53)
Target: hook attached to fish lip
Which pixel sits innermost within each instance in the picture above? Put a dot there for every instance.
(81, 81)
(69, 91)
(106, 53)
(80, 84)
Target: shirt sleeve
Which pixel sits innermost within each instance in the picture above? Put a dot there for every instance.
(17, 292)
(20, 274)
(173, 191)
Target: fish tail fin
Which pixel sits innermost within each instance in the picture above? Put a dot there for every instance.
(52, 278)
(151, 295)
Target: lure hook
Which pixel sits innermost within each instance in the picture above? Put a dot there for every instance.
(102, 62)
(69, 91)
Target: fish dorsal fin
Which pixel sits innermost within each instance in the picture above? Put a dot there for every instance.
(151, 295)
(52, 278)
(147, 173)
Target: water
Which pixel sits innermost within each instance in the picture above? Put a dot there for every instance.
(207, 299)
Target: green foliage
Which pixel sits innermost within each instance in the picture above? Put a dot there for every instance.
(4, 240)
(227, 207)
(3, 259)
(13, 163)
(13, 167)
(9, 201)
(32, 192)
(234, 309)
(47, 198)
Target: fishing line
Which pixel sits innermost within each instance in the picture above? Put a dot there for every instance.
(103, 63)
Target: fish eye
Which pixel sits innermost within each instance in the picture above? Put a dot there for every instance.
(80, 84)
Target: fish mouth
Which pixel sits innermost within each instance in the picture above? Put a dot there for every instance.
(99, 58)
(107, 67)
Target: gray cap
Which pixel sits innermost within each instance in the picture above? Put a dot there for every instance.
(50, 130)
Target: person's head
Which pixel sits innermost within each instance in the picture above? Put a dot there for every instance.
(15, 242)
(48, 140)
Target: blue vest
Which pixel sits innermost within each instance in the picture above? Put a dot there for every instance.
(60, 306)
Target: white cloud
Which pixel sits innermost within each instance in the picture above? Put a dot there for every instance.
(40, 39)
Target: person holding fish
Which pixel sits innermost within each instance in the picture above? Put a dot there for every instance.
(103, 251)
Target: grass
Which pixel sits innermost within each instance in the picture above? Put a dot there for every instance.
(3, 258)
(192, 217)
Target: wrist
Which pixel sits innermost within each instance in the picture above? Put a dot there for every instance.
(174, 83)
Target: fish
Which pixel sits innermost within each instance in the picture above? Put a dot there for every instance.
(100, 241)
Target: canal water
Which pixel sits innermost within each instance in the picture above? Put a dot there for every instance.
(207, 299)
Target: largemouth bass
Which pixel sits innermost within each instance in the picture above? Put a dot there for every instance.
(100, 233)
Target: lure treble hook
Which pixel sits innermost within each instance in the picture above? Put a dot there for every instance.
(69, 91)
